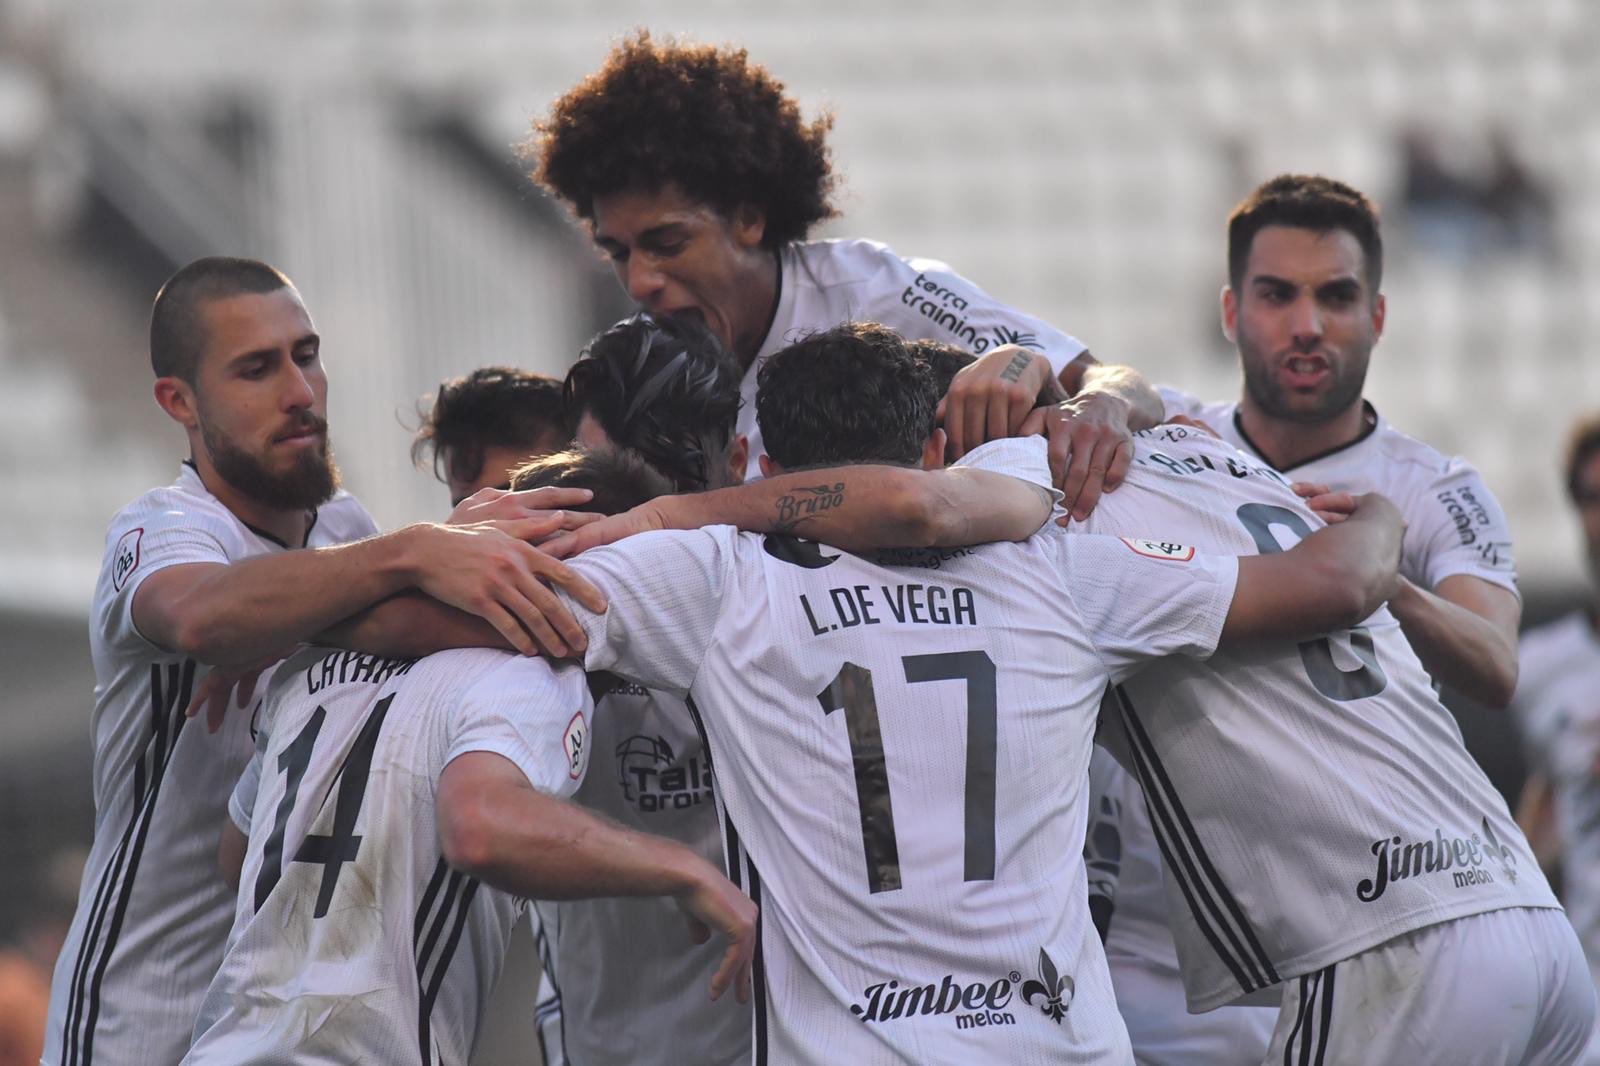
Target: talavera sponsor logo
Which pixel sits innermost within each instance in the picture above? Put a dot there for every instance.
(1465, 859)
(945, 307)
(968, 1004)
(652, 779)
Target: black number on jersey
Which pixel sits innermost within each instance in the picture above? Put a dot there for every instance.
(852, 691)
(341, 845)
(1316, 656)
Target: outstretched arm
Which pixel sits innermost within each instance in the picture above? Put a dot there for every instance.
(237, 612)
(856, 508)
(1331, 580)
(497, 827)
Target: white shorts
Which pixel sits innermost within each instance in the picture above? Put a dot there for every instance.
(1498, 989)
(1164, 1033)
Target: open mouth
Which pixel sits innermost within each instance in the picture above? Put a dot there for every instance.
(1305, 371)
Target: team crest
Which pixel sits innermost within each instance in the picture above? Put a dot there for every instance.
(575, 742)
(1160, 549)
(125, 559)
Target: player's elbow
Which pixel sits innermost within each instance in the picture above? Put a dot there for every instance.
(466, 838)
(1499, 684)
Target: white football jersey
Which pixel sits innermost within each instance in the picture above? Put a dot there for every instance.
(1454, 524)
(633, 984)
(827, 283)
(1311, 800)
(354, 940)
(1557, 710)
(901, 748)
(1128, 895)
(152, 911)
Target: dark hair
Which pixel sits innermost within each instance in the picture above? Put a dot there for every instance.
(1582, 445)
(492, 407)
(664, 387)
(944, 360)
(177, 332)
(1305, 201)
(850, 394)
(620, 479)
(696, 116)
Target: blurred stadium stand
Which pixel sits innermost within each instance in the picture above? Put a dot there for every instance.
(1075, 158)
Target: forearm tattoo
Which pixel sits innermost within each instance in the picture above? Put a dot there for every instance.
(805, 503)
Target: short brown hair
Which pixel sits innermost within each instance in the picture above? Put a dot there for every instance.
(494, 406)
(696, 116)
(177, 334)
(619, 478)
(1305, 201)
(1582, 445)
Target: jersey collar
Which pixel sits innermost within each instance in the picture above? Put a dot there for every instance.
(192, 473)
(1371, 423)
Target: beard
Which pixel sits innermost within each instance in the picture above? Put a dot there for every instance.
(309, 483)
(1343, 389)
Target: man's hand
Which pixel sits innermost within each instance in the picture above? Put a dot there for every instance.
(222, 682)
(713, 903)
(545, 505)
(1329, 506)
(991, 398)
(488, 570)
(1090, 450)
(644, 518)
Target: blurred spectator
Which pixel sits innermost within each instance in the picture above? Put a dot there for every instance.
(1457, 210)
(1517, 203)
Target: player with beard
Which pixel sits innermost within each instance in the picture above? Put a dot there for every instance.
(252, 549)
(1305, 307)
(700, 181)
(1558, 714)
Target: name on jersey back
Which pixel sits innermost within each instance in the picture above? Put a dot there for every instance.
(910, 603)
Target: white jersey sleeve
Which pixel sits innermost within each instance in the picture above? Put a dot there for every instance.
(1024, 458)
(663, 592)
(1147, 599)
(1458, 527)
(496, 716)
(145, 541)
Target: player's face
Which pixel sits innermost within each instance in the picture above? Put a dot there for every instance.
(494, 472)
(1589, 509)
(1305, 321)
(261, 400)
(686, 259)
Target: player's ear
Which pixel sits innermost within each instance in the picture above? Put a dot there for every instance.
(768, 467)
(738, 459)
(176, 397)
(749, 225)
(1230, 314)
(1380, 309)
(933, 451)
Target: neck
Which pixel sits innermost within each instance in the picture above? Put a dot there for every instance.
(288, 527)
(1285, 443)
(767, 279)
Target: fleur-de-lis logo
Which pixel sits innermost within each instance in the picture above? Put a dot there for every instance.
(1056, 990)
(1508, 858)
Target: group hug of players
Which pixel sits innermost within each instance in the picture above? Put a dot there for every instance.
(1018, 759)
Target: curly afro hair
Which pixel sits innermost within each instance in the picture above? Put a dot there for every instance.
(701, 117)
